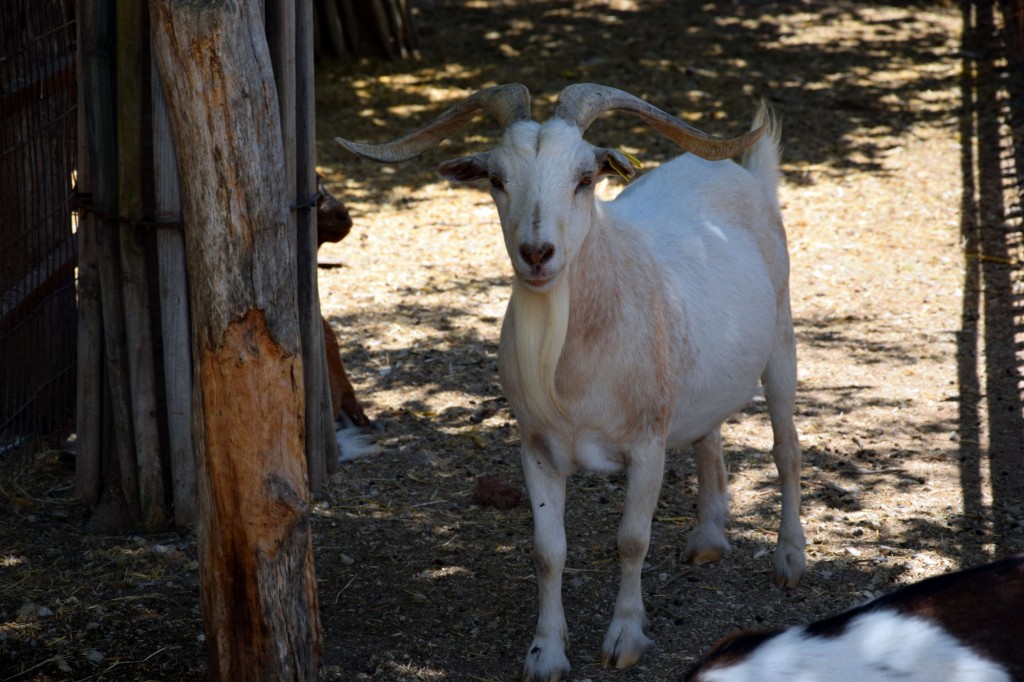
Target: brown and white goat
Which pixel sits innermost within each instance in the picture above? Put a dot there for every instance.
(959, 627)
(634, 325)
(353, 428)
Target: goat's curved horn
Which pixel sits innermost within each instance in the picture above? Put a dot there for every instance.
(507, 103)
(581, 103)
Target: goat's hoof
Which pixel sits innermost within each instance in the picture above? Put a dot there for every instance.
(545, 662)
(704, 547)
(705, 556)
(546, 676)
(786, 581)
(623, 646)
(789, 566)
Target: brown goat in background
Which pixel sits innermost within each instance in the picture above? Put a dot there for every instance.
(355, 429)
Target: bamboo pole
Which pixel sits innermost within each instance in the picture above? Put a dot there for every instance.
(174, 311)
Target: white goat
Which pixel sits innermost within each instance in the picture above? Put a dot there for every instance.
(634, 325)
(959, 627)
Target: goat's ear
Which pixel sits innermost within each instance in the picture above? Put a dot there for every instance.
(466, 169)
(616, 162)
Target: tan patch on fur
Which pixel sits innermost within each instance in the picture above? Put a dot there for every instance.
(595, 325)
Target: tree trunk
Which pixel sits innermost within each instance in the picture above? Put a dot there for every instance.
(257, 581)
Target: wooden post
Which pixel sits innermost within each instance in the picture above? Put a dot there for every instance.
(174, 312)
(359, 28)
(319, 390)
(134, 278)
(293, 70)
(280, 23)
(120, 490)
(257, 581)
(89, 402)
(335, 30)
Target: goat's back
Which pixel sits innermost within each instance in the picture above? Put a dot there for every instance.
(715, 238)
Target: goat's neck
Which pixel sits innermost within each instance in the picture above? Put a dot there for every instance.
(595, 291)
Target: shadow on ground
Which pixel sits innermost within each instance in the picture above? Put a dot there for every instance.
(713, 62)
(990, 358)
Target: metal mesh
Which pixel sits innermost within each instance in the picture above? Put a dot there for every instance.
(37, 243)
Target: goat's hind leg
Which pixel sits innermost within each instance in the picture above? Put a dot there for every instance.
(779, 381)
(707, 542)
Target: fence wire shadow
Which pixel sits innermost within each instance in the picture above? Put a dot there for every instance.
(990, 363)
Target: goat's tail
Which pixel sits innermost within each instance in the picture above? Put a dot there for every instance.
(762, 160)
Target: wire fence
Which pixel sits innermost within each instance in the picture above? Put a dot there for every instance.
(37, 243)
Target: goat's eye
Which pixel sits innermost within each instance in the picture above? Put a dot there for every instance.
(586, 180)
(496, 182)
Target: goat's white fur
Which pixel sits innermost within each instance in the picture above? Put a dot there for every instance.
(650, 324)
(540, 337)
(634, 325)
(957, 627)
(353, 441)
(881, 646)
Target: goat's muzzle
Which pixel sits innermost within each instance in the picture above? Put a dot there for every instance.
(536, 266)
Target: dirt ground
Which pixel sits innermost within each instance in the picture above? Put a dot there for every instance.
(902, 202)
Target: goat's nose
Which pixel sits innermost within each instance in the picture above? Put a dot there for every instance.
(537, 254)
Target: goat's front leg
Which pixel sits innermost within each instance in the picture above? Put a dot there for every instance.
(546, 660)
(625, 641)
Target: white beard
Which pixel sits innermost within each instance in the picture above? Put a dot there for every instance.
(541, 322)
